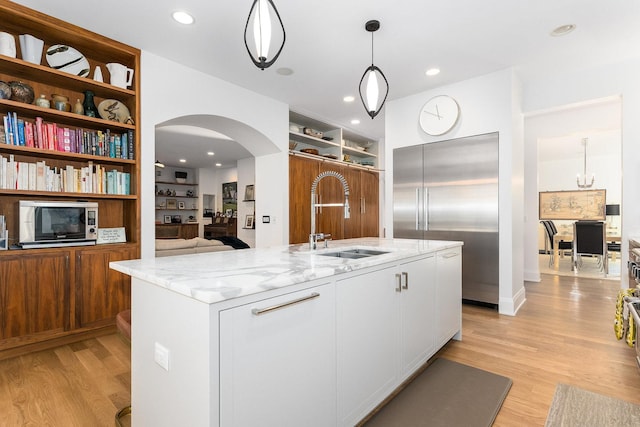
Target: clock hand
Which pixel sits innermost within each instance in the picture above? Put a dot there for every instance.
(433, 114)
(438, 111)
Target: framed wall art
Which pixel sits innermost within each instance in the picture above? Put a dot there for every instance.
(572, 205)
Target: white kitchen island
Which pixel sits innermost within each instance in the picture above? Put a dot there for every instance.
(285, 336)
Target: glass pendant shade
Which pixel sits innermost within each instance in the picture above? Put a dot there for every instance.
(264, 28)
(373, 82)
(370, 90)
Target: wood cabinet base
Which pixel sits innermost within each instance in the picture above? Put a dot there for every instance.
(58, 295)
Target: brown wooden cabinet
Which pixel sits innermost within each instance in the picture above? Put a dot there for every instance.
(221, 226)
(363, 200)
(369, 204)
(101, 293)
(34, 295)
(38, 286)
(302, 172)
(177, 231)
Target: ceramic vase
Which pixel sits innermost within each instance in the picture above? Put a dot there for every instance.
(61, 102)
(31, 48)
(97, 74)
(78, 108)
(90, 108)
(43, 102)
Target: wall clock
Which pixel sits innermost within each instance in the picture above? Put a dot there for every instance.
(439, 115)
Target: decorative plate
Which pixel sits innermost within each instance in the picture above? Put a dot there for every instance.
(65, 58)
(114, 110)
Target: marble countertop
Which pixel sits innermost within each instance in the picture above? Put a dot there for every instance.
(219, 276)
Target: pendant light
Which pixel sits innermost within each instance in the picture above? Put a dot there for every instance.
(262, 28)
(159, 164)
(372, 79)
(593, 177)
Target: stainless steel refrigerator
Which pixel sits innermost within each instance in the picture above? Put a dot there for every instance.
(448, 190)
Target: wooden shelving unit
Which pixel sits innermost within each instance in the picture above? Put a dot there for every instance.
(82, 294)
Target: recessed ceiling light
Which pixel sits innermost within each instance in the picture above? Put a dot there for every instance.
(183, 17)
(563, 30)
(355, 122)
(432, 72)
(183, 161)
(349, 98)
(218, 164)
(284, 71)
(210, 153)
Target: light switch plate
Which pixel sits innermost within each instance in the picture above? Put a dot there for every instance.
(266, 219)
(161, 356)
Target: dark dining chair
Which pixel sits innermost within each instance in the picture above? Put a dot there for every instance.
(551, 231)
(589, 238)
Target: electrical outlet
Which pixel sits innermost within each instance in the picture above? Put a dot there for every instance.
(161, 356)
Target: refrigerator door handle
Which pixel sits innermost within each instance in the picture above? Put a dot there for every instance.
(417, 210)
(426, 208)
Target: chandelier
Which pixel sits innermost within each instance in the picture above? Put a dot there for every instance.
(584, 184)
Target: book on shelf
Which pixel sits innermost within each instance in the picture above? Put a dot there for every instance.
(38, 176)
(54, 136)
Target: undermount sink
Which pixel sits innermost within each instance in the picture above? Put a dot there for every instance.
(354, 253)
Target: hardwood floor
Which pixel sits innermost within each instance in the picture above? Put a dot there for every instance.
(81, 384)
(563, 334)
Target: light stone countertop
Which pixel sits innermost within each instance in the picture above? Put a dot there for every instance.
(219, 276)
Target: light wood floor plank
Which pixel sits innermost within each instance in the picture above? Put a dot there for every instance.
(563, 334)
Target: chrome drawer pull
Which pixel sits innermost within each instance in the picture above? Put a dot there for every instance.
(406, 280)
(450, 255)
(399, 282)
(260, 311)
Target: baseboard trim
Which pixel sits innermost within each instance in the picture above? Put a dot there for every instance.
(510, 306)
(69, 338)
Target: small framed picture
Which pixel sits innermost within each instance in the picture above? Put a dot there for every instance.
(167, 219)
(249, 193)
(180, 205)
(248, 223)
(172, 204)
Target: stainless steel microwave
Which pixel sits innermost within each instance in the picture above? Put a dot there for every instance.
(52, 224)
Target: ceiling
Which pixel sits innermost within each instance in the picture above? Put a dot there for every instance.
(328, 48)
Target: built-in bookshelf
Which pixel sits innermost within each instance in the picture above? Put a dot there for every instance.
(52, 155)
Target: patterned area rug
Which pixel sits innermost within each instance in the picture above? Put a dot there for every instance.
(574, 407)
(446, 394)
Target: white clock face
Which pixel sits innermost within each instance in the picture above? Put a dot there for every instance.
(439, 115)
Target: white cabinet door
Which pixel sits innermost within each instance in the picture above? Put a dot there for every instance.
(277, 361)
(367, 339)
(417, 313)
(448, 294)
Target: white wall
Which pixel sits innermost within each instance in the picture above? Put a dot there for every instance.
(260, 124)
(550, 92)
(246, 176)
(488, 103)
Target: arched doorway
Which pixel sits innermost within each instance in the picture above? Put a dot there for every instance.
(212, 151)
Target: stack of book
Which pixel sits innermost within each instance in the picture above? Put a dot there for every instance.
(52, 136)
(4, 234)
(38, 176)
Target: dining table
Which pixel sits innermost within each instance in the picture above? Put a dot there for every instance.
(565, 234)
